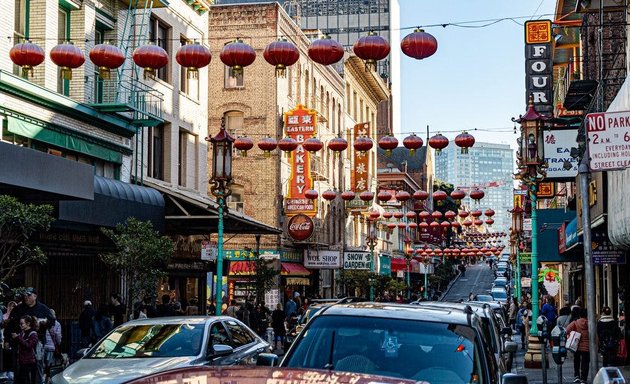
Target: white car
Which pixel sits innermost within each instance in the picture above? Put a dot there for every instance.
(142, 347)
(499, 294)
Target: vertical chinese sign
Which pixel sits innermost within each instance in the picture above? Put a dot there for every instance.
(360, 174)
(539, 64)
(300, 125)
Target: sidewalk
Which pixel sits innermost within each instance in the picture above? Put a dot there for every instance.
(535, 376)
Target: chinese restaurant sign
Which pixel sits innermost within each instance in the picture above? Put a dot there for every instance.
(538, 64)
(608, 140)
(300, 125)
(360, 174)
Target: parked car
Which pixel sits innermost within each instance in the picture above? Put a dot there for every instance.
(438, 345)
(502, 282)
(302, 320)
(141, 347)
(264, 375)
(482, 297)
(500, 295)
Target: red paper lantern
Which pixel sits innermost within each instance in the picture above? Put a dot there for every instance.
(423, 226)
(370, 49)
(281, 54)
(150, 57)
(267, 145)
(348, 195)
(455, 224)
(436, 215)
(325, 51)
(419, 44)
(476, 213)
(388, 143)
(434, 225)
(477, 194)
(412, 143)
(398, 215)
(410, 215)
(387, 215)
(27, 56)
(438, 142)
(312, 144)
(421, 195)
(403, 196)
(439, 196)
(449, 215)
(424, 215)
(287, 144)
(337, 144)
(106, 57)
(467, 223)
(374, 215)
(68, 57)
(478, 222)
(237, 55)
(489, 212)
(243, 144)
(366, 196)
(463, 214)
(464, 140)
(384, 196)
(311, 194)
(363, 144)
(489, 222)
(413, 225)
(391, 225)
(458, 195)
(329, 195)
(402, 225)
(193, 56)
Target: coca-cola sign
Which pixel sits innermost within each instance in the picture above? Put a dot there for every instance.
(300, 227)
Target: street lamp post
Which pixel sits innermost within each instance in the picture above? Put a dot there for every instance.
(517, 228)
(371, 240)
(531, 163)
(408, 253)
(426, 274)
(220, 188)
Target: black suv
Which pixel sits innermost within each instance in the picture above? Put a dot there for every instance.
(438, 345)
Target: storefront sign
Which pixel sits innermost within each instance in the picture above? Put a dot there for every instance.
(545, 190)
(519, 198)
(361, 166)
(384, 265)
(300, 227)
(209, 250)
(608, 140)
(527, 224)
(571, 233)
(300, 125)
(558, 144)
(320, 259)
(526, 257)
(539, 65)
(603, 250)
(357, 260)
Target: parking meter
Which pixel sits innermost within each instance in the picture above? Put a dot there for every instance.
(559, 341)
(543, 333)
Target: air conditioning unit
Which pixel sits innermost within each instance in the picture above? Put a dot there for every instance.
(238, 206)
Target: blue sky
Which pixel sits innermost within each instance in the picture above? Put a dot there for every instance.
(476, 79)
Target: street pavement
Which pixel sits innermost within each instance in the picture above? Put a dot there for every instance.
(477, 279)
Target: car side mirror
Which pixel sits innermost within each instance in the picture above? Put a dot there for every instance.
(513, 378)
(510, 346)
(219, 350)
(267, 360)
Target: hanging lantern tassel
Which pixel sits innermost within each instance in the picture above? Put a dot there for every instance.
(281, 70)
(370, 65)
(192, 73)
(25, 71)
(236, 70)
(464, 150)
(149, 73)
(66, 73)
(104, 73)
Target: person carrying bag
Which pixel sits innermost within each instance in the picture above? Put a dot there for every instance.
(581, 357)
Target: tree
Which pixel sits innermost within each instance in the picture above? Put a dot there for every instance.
(18, 222)
(264, 276)
(141, 257)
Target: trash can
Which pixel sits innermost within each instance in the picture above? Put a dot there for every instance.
(609, 375)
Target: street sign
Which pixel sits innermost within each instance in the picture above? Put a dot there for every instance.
(526, 258)
(209, 251)
(609, 140)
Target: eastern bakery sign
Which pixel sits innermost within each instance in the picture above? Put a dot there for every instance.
(300, 125)
(539, 64)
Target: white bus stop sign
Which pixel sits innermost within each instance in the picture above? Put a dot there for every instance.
(609, 140)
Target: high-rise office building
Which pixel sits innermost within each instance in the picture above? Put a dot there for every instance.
(488, 166)
(346, 21)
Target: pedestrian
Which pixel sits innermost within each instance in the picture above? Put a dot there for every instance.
(41, 313)
(581, 358)
(117, 309)
(52, 347)
(243, 314)
(165, 309)
(527, 318)
(193, 307)
(520, 325)
(564, 317)
(512, 313)
(298, 302)
(27, 341)
(290, 308)
(471, 296)
(277, 322)
(608, 334)
(86, 325)
(232, 309)
(549, 311)
(102, 323)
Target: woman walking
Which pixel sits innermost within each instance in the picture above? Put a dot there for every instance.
(277, 322)
(53, 343)
(581, 358)
(27, 343)
(608, 334)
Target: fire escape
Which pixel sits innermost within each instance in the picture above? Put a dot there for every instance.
(125, 92)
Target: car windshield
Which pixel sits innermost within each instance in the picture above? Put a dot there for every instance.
(151, 340)
(500, 282)
(484, 298)
(439, 353)
(499, 295)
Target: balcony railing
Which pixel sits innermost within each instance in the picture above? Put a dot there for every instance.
(125, 94)
(319, 169)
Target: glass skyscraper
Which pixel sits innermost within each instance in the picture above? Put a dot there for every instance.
(487, 166)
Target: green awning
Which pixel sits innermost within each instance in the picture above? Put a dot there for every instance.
(40, 133)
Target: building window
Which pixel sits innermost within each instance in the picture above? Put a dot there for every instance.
(156, 152)
(63, 35)
(99, 38)
(234, 122)
(159, 34)
(232, 79)
(182, 157)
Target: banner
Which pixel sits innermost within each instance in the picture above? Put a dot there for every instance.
(300, 124)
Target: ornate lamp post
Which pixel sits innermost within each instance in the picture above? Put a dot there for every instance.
(371, 240)
(531, 164)
(408, 253)
(517, 228)
(220, 188)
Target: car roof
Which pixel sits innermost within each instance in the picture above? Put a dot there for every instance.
(397, 311)
(177, 320)
(478, 307)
